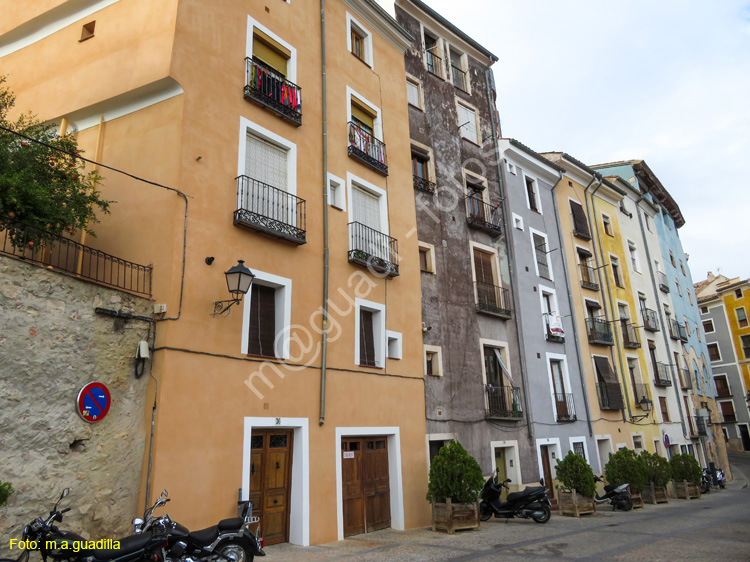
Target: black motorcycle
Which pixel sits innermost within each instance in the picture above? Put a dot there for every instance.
(43, 535)
(706, 481)
(530, 503)
(616, 495)
(229, 541)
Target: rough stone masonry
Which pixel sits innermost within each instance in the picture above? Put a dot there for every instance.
(51, 344)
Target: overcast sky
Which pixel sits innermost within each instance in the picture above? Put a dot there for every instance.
(666, 81)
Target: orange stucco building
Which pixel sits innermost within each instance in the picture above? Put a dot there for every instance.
(283, 138)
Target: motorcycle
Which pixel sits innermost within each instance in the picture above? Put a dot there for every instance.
(721, 479)
(43, 535)
(530, 503)
(231, 540)
(616, 495)
(706, 480)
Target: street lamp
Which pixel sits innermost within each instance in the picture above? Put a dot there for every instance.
(239, 279)
(645, 405)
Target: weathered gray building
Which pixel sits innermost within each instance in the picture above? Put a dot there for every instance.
(475, 387)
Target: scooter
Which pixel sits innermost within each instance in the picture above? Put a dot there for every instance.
(617, 495)
(530, 503)
(721, 478)
(706, 481)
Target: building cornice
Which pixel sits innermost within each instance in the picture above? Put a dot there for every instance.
(520, 153)
(382, 22)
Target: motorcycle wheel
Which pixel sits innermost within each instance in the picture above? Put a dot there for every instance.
(705, 487)
(237, 550)
(484, 512)
(626, 503)
(547, 513)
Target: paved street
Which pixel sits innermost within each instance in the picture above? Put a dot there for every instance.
(716, 527)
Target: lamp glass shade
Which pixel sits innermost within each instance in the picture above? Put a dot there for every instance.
(239, 279)
(645, 404)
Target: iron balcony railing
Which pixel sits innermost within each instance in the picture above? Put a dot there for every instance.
(661, 375)
(492, 299)
(701, 425)
(459, 78)
(270, 89)
(425, 185)
(373, 249)
(640, 391)
(503, 402)
(686, 383)
(682, 331)
(564, 407)
(674, 331)
(610, 396)
(268, 209)
(484, 216)
(663, 283)
(63, 254)
(367, 149)
(588, 277)
(599, 331)
(650, 320)
(631, 338)
(434, 62)
(552, 332)
(722, 389)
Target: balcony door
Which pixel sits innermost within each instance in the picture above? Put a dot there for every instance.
(558, 387)
(366, 211)
(485, 279)
(264, 194)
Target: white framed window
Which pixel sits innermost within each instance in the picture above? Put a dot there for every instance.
(336, 192)
(635, 262)
(263, 44)
(359, 40)
(579, 447)
(468, 122)
(533, 200)
(266, 316)
(433, 360)
(517, 222)
(395, 344)
(370, 334)
(540, 248)
(368, 204)
(552, 320)
(714, 354)
(617, 273)
(426, 257)
(267, 157)
(708, 326)
(559, 385)
(510, 167)
(607, 224)
(414, 93)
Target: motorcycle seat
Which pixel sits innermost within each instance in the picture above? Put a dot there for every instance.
(128, 545)
(610, 487)
(204, 537)
(232, 524)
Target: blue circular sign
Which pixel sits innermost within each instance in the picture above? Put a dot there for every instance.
(93, 402)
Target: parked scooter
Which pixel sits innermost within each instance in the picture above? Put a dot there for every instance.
(706, 481)
(530, 503)
(720, 478)
(229, 541)
(617, 495)
(43, 535)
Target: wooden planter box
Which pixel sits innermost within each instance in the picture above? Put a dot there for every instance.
(637, 501)
(452, 517)
(687, 490)
(575, 505)
(654, 494)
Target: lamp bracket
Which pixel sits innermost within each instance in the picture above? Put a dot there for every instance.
(222, 307)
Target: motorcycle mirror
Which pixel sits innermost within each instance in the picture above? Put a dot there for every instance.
(165, 493)
(65, 492)
(541, 481)
(508, 480)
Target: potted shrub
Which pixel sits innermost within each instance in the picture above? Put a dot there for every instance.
(686, 473)
(453, 489)
(658, 474)
(625, 466)
(576, 495)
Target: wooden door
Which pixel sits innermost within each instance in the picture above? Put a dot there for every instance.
(502, 471)
(270, 470)
(544, 451)
(366, 486)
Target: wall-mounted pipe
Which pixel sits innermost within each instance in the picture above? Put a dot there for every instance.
(324, 341)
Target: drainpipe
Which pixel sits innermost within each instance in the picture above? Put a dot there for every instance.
(609, 291)
(511, 261)
(324, 344)
(663, 332)
(572, 308)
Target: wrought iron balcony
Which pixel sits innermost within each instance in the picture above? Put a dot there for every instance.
(640, 391)
(459, 78)
(663, 283)
(661, 375)
(722, 389)
(682, 331)
(650, 320)
(565, 408)
(492, 299)
(270, 89)
(686, 383)
(425, 185)
(503, 402)
(434, 62)
(373, 249)
(367, 149)
(588, 277)
(63, 254)
(599, 331)
(701, 425)
(483, 216)
(674, 330)
(610, 396)
(553, 328)
(267, 209)
(630, 336)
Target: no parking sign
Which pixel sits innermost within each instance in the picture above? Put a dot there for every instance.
(93, 402)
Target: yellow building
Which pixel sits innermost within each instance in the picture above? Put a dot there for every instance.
(288, 148)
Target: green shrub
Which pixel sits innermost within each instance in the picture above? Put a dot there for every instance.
(625, 466)
(685, 467)
(657, 468)
(454, 474)
(574, 472)
(5, 491)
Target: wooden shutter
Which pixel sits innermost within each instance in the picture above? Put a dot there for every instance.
(366, 208)
(366, 339)
(266, 162)
(580, 224)
(262, 333)
(614, 392)
(483, 267)
(468, 123)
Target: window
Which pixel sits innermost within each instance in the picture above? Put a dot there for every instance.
(262, 324)
(682, 267)
(336, 192)
(738, 293)
(414, 92)
(459, 76)
(467, 123)
(511, 168)
(607, 225)
(713, 352)
(517, 222)
(540, 250)
(679, 289)
(432, 54)
(475, 203)
(741, 317)
(648, 224)
(746, 346)
(433, 361)
(616, 273)
(634, 261)
(267, 316)
(270, 53)
(704, 310)
(727, 412)
(580, 223)
(395, 344)
(578, 449)
(637, 443)
(419, 166)
(708, 326)
(359, 40)
(664, 410)
(690, 297)
(426, 257)
(87, 31)
(671, 258)
(532, 194)
(371, 341)
(722, 386)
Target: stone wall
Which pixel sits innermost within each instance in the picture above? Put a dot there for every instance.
(51, 344)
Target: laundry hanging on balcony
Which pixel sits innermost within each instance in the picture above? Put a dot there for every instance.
(274, 86)
(555, 325)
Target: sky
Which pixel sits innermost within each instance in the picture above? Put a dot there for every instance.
(664, 81)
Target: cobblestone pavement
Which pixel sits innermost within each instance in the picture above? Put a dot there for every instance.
(716, 527)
